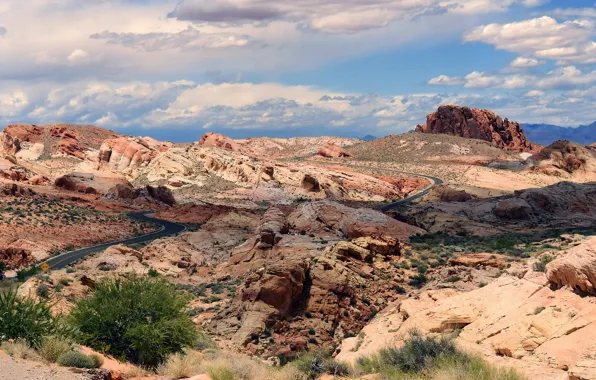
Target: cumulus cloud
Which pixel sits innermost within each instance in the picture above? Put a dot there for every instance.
(349, 16)
(189, 38)
(544, 37)
(523, 63)
(267, 107)
(561, 78)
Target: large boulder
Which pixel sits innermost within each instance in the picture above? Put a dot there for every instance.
(513, 208)
(477, 124)
(576, 269)
(332, 150)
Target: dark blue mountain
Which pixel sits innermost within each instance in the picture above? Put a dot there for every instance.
(546, 134)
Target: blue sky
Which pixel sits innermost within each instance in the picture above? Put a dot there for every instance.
(177, 69)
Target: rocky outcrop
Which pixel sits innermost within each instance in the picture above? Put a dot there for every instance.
(576, 269)
(216, 140)
(513, 322)
(563, 158)
(127, 192)
(444, 193)
(477, 124)
(315, 217)
(16, 258)
(129, 153)
(88, 183)
(161, 194)
(332, 150)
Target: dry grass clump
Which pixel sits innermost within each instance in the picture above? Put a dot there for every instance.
(52, 347)
(220, 366)
(19, 349)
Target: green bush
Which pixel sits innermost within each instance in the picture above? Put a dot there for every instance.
(140, 319)
(316, 363)
(540, 266)
(97, 360)
(75, 359)
(24, 318)
(52, 347)
(416, 352)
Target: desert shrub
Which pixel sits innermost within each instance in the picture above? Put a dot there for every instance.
(52, 347)
(24, 274)
(43, 291)
(181, 365)
(97, 360)
(540, 266)
(422, 358)
(418, 280)
(416, 352)
(75, 359)
(204, 342)
(316, 363)
(20, 349)
(141, 319)
(24, 318)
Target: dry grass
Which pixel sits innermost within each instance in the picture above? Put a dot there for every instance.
(52, 347)
(220, 366)
(20, 350)
(181, 365)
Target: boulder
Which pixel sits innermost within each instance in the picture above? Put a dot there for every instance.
(513, 208)
(162, 194)
(576, 268)
(331, 150)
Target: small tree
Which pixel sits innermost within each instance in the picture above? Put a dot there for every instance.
(24, 318)
(138, 318)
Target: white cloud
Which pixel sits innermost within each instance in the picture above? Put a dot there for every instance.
(544, 37)
(78, 56)
(564, 77)
(523, 63)
(268, 106)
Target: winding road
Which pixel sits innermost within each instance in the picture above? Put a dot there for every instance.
(167, 228)
(170, 228)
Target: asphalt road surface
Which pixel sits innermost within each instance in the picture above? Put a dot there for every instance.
(167, 228)
(434, 181)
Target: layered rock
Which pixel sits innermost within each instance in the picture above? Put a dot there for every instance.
(576, 269)
(129, 153)
(477, 124)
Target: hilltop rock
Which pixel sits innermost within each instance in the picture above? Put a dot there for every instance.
(217, 140)
(477, 124)
(332, 150)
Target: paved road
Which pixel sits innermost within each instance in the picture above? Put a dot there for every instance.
(434, 181)
(167, 228)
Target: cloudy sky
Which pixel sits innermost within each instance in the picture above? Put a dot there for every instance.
(176, 69)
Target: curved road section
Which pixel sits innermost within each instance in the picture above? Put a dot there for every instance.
(434, 181)
(167, 228)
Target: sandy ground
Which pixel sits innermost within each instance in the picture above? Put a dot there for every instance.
(26, 370)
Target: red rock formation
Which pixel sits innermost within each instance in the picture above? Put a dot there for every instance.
(477, 124)
(332, 150)
(123, 153)
(15, 258)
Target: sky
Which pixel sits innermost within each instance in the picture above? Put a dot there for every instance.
(177, 69)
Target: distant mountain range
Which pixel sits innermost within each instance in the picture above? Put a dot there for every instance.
(546, 134)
